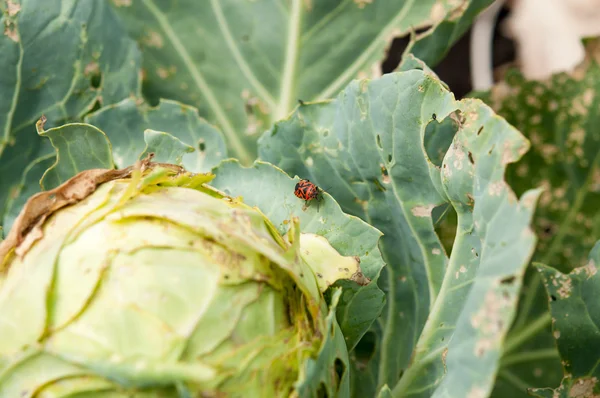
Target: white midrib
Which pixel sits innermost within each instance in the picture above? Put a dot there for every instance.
(228, 130)
(351, 71)
(289, 66)
(237, 55)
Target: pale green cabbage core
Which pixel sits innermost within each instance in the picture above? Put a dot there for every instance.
(156, 290)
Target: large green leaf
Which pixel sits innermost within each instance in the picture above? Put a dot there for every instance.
(247, 64)
(576, 326)
(272, 191)
(60, 58)
(560, 117)
(446, 318)
(124, 124)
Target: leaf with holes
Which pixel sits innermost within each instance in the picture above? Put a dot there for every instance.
(560, 117)
(575, 323)
(275, 53)
(59, 59)
(124, 124)
(443, 327)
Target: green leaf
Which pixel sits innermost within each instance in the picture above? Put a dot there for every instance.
(560, 118)
(59, 59)
(79, 147)
(272, 191)
(530, 356)
(124, 123)
(368, 146)
(576, 326)
(432, 46)
(274, 53)
(166, 148)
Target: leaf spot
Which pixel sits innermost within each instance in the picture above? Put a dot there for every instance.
(12, 8)
(496, 188)
(589, 269)
(477, 392)
(583, 388)
(422, 211)
(489, 320)
(154, 39)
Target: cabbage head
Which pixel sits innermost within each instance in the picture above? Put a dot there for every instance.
(146, 282)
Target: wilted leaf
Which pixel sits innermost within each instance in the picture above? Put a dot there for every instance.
(443, 327)
(125, 122)
(575, 313)
(274, 53)
(60, 59)
(560, 118)
(272, 191)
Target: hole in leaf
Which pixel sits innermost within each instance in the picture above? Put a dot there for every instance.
(384, 171)
(379, 141)
(445, 222)
(322, 391)
(340, 369)
(365, 349)
(325, 133)
(97, 105)
(438, 138)
(471, 158)
(390, 158)
(96, 80)
(434, 116)
(480, 130)
(508, 280)
(395, 51)
(553, 297)
(201, 146)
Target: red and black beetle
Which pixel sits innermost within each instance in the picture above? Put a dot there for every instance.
(307, 191)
